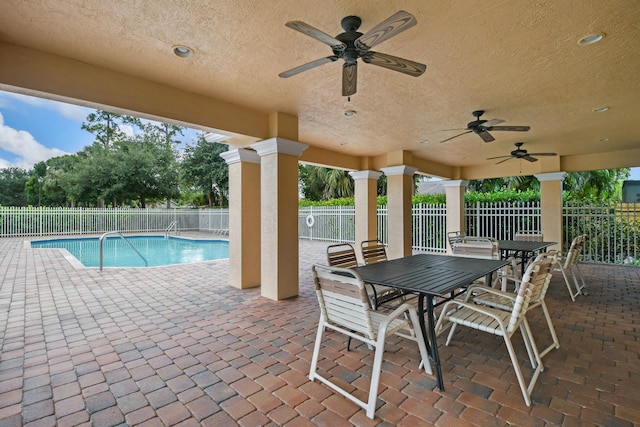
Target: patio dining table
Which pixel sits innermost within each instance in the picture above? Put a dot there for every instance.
(429, 276)
(526, 248)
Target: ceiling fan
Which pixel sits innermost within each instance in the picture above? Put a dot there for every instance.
(482, 127)
(520, 153)
(351, 45)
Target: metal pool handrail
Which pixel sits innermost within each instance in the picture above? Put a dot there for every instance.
(174, 226)
(146, 264)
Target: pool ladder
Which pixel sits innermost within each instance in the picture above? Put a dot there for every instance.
(146, 264)
(172, 226)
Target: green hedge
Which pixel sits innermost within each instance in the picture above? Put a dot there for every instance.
(472, 197)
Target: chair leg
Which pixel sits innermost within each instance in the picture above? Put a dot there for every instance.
(526, 389)
(566, 281)
(316, 350)
(577, 274)
(421, 344)
(375, 377)
(527, 343)
(552, 330)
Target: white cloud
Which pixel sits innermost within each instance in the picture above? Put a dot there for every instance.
(70, 111)
(27, 150)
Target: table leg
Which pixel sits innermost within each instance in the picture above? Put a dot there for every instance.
(430, 337)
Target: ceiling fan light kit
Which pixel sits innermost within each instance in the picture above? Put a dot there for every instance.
(352, 45)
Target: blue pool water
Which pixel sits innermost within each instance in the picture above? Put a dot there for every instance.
(156, 249)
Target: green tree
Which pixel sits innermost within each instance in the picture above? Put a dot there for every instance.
(319, 183)
(60, 185)
(203, 169)
(108, 127)
(12, 186)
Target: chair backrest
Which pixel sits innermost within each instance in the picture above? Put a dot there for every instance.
(373, 251)
(477, 247)
(455, 237)
(341, 255)
(528, 236)
(530, 285)
(546, 260)
(343, 299)
(573, 256)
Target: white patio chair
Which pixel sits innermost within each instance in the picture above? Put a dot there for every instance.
(373, 251)
(505, 300)
(569, 264)
(528, 236)
(525, 236)
(487, 248)
(501, 323)
(344, 308)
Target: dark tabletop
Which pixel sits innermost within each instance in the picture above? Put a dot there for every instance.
(435, 275)
(523, 245)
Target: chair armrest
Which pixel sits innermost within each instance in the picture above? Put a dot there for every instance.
(473, 307)
(396, 313)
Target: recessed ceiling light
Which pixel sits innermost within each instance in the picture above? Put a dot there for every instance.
(600, 109)
(350, 113)
(604, 140)
(182, 51)
(591, 39)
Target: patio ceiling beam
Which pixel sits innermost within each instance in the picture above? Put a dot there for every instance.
(32, 72)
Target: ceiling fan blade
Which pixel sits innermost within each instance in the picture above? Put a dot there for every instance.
(511, 128)
(307, 66)
(449, 139)
(486, 136)
(543, 154)
(349, 79)
(492, 122)
(307, 29)
(394, 63)
(392, 26)
(502, 161)
(529, 158)
(498, 157)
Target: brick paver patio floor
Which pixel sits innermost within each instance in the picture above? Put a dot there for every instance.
(178, 346)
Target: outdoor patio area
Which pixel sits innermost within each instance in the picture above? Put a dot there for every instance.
(178, 346)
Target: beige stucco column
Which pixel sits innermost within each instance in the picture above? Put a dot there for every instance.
(244, 217)
(454, 191)
(279, 216)
(366, 203)
(399, 192)
(551, 206)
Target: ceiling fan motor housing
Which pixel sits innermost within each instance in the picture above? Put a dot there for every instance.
(351, 53)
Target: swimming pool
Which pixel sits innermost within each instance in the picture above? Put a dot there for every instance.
(157, 250)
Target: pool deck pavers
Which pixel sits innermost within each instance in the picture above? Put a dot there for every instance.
(177, 346)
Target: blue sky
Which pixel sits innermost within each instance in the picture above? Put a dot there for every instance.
(36, 129)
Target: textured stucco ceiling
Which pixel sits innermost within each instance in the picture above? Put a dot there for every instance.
(518, 60)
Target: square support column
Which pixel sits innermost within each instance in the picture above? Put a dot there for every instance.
(454, 191)
(551, 206)
(279, 216)
(244, 217)
(399, 192)
(366, 204)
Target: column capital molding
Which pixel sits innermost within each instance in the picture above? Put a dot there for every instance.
(552, 176)
(240, 155)
(455, 183)
(279, 145)
(399, 170)
(365, 174)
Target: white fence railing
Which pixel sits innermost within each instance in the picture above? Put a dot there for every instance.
(613, 232)
(70, 221)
